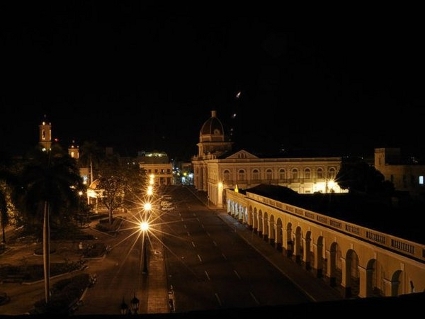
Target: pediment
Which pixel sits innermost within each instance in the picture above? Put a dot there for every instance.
(242, 154)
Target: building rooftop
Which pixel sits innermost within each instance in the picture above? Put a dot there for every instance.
(398, 218)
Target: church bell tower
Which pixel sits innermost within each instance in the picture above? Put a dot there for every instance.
(45, 129)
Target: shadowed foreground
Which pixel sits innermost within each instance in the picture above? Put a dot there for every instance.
(363, 307)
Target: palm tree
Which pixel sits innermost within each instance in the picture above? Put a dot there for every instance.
(49, 181)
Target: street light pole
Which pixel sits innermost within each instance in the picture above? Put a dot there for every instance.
(145, 257)
(124, 307)
(134, 304)
(145, 228)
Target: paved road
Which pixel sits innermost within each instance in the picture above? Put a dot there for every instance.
(154, 289)
(317, 289)
(211, 267)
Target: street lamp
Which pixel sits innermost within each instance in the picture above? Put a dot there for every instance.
(150, 190)
(147, 208)
(134, 303)
(81, 216)
(144, 227)
(124, 307)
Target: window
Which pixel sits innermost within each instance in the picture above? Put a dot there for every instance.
(332, 173)
(255, 174)
(269, 174)
(421, 180)
(294, 173)
(226, 175)
(282, 174)
(320, 173)
(241, 175)
(307, 173)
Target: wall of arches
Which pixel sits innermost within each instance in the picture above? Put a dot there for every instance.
(359, 267)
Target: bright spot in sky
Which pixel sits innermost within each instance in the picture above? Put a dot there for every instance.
(238, 94)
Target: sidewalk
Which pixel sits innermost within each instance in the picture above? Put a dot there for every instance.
(157, 280)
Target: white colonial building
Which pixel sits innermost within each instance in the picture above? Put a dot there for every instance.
(218, 167)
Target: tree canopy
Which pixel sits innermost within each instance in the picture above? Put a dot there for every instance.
(356, 175)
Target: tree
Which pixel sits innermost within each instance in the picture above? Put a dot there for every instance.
(4, 217)
(122, 183)
(7, 180)
(113, 182)
(356, 175)
(49, 181)
(136, 184)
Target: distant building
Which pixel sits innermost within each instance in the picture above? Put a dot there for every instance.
(158, 164)
(186, 173)
(45, 134)
(406, 175)
(217, 167)
(74, 150)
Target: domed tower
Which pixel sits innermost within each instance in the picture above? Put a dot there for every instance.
(212, 140)
(212, 144)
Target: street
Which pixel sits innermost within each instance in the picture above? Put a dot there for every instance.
(199, 258)
(211, 267)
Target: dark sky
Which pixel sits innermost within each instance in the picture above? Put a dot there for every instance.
(138, 77)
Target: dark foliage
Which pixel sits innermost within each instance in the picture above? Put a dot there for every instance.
(65, 294)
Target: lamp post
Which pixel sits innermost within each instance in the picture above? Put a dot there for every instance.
(149, 192)
(144, 226)
(80, 215)
(145, 254)
(124, 307)
(134, 303)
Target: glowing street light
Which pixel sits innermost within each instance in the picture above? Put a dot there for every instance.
(144, 227)
(147, 207)
(149, 192)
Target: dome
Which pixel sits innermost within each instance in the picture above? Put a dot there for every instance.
(212, 126)
(212, 140)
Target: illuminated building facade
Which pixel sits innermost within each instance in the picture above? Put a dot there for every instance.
(158, 164)
(217, 167)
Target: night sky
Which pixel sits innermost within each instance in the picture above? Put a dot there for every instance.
(137, 77)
